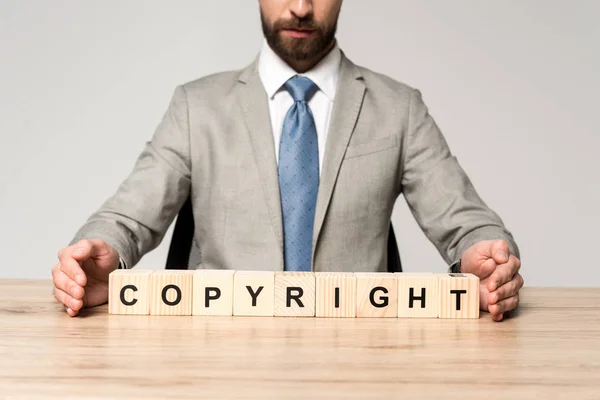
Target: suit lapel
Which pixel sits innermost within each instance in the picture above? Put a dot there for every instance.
(348, 100)
(255, 107)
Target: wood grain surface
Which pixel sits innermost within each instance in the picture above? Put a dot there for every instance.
(425, 291)
(171, 292)
(459, 290)
(304, 281)
(549, 349)
(219, 298)
(253, 293)
(135, 285)
(335, 294)
(380, 288)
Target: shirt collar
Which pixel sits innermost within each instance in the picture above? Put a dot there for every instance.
(274, 72)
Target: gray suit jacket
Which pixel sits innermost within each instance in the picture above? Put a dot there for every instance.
(215, 144)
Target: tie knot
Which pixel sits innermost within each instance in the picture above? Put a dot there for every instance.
(300, 88)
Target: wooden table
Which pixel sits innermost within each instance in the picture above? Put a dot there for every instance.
(549, 349)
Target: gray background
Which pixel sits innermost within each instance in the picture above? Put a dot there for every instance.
(514, 86)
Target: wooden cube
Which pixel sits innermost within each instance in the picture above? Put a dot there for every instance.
(253, 293)
(171, 292)
(418, 295)
(376, 295)
(294, 294)
(129, 291)
(459, 296)
(335, 294)
(213, 292)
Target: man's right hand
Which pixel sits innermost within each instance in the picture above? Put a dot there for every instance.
(81, 276)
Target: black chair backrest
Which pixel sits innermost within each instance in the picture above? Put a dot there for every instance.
(184, 252)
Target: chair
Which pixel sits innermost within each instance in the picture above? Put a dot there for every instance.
(184, 251)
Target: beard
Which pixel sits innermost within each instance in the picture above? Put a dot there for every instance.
(298, 49)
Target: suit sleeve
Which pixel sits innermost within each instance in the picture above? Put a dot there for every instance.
(438, 192)
(135, 219)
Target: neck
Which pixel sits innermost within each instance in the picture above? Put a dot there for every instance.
(301, 66)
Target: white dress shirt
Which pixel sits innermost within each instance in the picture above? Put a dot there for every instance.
(274, 72)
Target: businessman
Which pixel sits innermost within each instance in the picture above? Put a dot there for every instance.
(294, 163)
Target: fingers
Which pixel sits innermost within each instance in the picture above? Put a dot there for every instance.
(72, 268)
(504, 273)
(497, 310)
(88, 248)
(68, 301)
(63, 282)
(66, 291)
(507, 290)
(61, 251)
(500, 251)
(68, 276)
(70, 312)
(487, 268)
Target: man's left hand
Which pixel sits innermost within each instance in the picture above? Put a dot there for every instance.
(498, 273)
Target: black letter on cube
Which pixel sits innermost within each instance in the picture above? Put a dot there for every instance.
(125, 302)
(412, 297)
(254, 295)
(458, 293)
(296, 297)
(208, 297)
(385, 299)
(177, 298)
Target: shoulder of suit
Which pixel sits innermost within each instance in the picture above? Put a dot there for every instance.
(212, 86)
(384, 84)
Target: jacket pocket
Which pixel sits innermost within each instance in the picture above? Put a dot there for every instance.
(375, 146)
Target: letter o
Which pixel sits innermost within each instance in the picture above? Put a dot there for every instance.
(177, 298)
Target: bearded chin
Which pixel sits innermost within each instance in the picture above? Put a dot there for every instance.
(298, 49)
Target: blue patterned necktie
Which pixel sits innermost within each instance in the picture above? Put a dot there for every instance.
(298, 175)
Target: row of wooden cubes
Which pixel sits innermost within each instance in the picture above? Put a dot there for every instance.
(293, 294)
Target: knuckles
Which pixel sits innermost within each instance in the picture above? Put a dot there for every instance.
(55, 270)
(85, 243)
(64, 251)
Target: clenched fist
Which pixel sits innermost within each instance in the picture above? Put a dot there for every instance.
(498, 273)
(81, 276)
